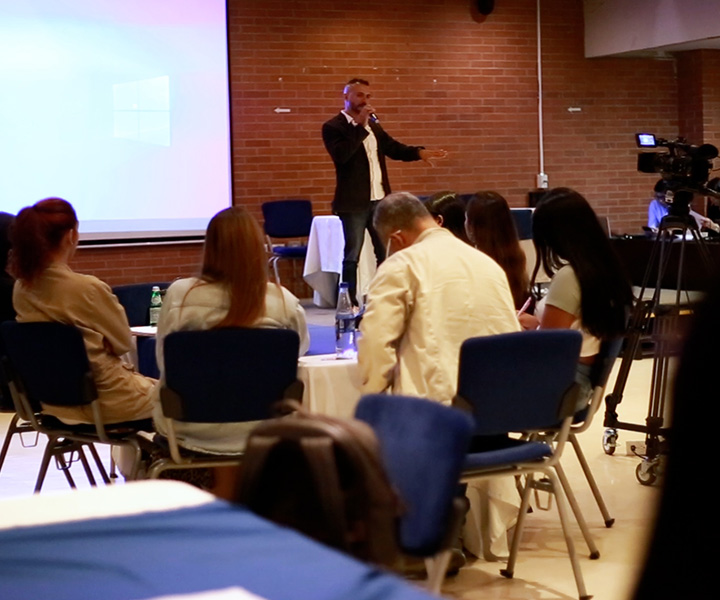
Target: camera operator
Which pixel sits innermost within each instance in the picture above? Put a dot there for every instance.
(659, 207)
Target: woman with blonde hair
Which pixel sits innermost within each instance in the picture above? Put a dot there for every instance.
(491, 229)
(232, 291)
(44, 238)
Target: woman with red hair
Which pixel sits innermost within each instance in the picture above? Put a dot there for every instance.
(44, 239)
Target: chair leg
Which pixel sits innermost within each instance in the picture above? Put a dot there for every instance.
(11, 431)
(136, 460)
(436, 568)
(591, 481)
(594, 552)
(160, 465)
(86, 466)
(509, 569)
(53, 449)
(562, 511)
(65, 468)
(98, 462)
(274, 261)
(44, 464)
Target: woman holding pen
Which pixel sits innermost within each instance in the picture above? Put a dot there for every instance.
(589, 290)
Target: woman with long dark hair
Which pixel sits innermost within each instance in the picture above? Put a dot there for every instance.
(589, 290)
(449, 212)
(232, 291)
(491, 229)
(44, 238)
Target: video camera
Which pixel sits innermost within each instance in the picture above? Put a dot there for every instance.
(684, 167)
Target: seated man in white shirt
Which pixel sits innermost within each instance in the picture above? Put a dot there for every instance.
(427, 298)
(432, 293)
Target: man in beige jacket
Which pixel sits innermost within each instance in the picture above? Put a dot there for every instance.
(433, 292)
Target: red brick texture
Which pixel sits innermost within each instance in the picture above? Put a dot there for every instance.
(440, 79)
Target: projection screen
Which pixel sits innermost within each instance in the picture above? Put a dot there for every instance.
(121, 108)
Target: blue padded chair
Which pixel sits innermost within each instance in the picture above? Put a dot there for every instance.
(228, 375)
(135, 299)
(47, 364)
(523, 222)
(286, 219)
(519, 383)
(423, 445)
(17, 425)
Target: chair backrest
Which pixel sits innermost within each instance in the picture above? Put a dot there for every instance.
(287, 218)
(609, 351)
(50, 361)
(228, 375)
(423, 446)
(135, 299)
(599, 374)
(6, 402)
(519, 381)
(523, 222)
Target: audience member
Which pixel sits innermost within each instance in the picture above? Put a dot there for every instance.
(491, 229)
(232, 291)
(589, 291)
(449, 212)
(44, 239)
(432, 294)
(7, 312)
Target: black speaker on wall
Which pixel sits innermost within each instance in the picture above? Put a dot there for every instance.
(485, 7)
(480, 9)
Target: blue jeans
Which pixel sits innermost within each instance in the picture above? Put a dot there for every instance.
(354, 225)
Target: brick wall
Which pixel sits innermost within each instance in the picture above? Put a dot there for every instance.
(439, 79)
(134, 264)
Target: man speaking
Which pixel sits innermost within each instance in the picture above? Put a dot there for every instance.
(358, 146)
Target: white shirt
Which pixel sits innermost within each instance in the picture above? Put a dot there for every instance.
(564, 293)
(377, 192)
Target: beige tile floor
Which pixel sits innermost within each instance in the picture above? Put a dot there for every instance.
(542, 571)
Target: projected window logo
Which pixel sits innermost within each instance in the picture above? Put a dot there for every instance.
(141, 110)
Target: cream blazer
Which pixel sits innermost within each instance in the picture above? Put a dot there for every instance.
(424, 301)
(59, 294)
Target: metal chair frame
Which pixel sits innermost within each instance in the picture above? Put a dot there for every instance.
(176, 403)
(537, 454)
(63, 439)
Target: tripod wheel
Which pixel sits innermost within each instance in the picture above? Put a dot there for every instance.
(609, 441)
(646, 473)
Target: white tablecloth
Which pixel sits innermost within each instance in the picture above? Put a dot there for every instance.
(323, 264)
(332, 386)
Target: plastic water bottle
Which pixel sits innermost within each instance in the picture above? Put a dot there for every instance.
(155, 305)
(345, 342)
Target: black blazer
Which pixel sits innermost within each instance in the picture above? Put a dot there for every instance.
(344, 143)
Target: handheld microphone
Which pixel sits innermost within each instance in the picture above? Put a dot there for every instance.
(374, 118)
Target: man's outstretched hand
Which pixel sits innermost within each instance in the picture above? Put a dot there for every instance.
(430, 156)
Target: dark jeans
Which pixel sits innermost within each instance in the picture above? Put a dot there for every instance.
(354, 225)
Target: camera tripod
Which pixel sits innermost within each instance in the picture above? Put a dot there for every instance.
(666, 320)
